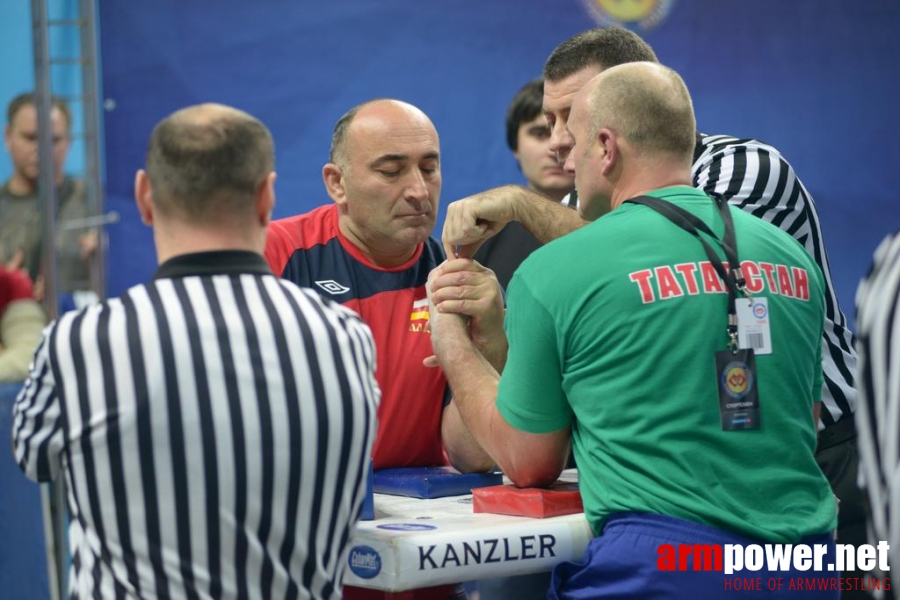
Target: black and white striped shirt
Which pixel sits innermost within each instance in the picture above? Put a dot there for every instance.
(755, 177)
(214, 428)
(878, 416)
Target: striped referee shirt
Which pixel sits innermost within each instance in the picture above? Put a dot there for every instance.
(756, 178)
(213, 427)
(878, 416)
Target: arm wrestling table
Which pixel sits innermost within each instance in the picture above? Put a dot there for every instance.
(415, 543)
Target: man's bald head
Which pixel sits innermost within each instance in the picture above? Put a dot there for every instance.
(206, 162)
(647, 104)
(633, 130)
(363, 116)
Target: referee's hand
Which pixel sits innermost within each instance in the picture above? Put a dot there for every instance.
(472, 220)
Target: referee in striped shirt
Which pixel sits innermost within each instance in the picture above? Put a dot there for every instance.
(214, 425)
(878, 416)
(755, 177)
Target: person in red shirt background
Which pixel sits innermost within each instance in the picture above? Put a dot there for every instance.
(21, 323)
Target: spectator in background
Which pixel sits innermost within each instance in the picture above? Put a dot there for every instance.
(213, 425)
(21, 225)
(528, 136)
(878, 415)
(21, 323)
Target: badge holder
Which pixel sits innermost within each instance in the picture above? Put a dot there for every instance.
(738, 397)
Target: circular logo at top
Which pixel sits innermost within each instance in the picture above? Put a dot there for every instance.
(632, 14)
(737, 379)
(759, 310)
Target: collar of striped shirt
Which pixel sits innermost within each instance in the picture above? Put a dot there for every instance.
(219, 262)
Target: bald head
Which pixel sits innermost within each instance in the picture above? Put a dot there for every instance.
(385, 177)
(633, 130)
(645, 103)
(368, 118)
(206, 162)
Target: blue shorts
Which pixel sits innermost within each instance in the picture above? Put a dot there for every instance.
(622, 563)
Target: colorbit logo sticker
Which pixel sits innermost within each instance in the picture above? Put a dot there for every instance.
(364, 561)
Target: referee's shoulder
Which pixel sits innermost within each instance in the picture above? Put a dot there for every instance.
(883, 273)
(63, 327)
(728, 144)
(109, 304)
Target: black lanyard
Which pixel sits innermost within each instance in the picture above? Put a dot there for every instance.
(732, 276)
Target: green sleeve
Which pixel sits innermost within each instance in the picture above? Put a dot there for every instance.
(530, 396)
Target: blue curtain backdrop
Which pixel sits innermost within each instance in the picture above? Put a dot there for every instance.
(816, 78)
(813, 77)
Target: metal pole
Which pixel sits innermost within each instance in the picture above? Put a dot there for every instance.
(92, 143)
(47, 174)
(54, 517)
(49, 541)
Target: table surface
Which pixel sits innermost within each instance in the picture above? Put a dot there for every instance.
(416, 543)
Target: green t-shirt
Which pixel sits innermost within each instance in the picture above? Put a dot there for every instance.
(613, 329)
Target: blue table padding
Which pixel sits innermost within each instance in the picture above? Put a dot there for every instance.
(431, 482)
(367, 512)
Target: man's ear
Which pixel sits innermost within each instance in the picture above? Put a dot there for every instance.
(610, 147)
(265, 199)
(333, 177)
(143, 195)
(518, 160)
(7, 134)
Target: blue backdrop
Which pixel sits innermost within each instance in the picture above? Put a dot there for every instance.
(816, 78)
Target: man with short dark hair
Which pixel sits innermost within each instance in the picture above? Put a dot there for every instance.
(528, 137)
(21, 229)
(214, 425)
